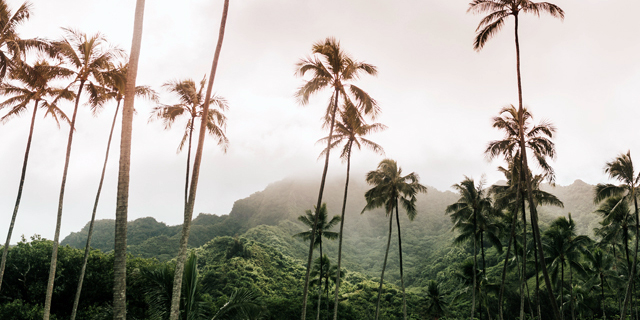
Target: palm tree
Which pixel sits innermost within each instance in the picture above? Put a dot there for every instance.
(322, 230)
(616, 224)
(601, 267)
(465, 214)
(538, 139)
(331, 67)
(498, 11)
(621, 169)
(188, 211)
(122, 197)
(350, 131)
(323, 269)
(436, 306)
(190, 105)
(113, 90)
(90, 60)
(36, 89)
(390, 189)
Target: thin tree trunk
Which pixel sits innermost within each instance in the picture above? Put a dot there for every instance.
(122, 197)
(76, 300)
(524, 251)
(305, 291)
(484, 274)
(56, 236)
(604, 313)
(573, 310)
(319, 280)
(475, 266)
(5, 250)
(562, 290)
(344, 206)
(532, 208)
(628, 297)
(404, 298)
(506, 257)
(186, 183)
(535, 255)
(384, 265)
(188, 211)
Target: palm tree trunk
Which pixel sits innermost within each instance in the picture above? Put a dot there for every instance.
(384, 266)
(484, 274)
(188, 211)
(56, 236)
(512, 234)
(475, 266)
(5, 250)
(535, 255)
(305, 290)
(573, 309)
(524, 252)
(319, 280)
(628, 297)
(532, 208)
(404, 297)
(186, 183)
(122, 198)
(604, 313)
(344, 205)
(76, 300)
(562, 290)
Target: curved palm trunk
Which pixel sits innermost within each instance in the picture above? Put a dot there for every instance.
(534, 214)
(93, 219)
(56, 236)
(5, 250)
(188, 211)
(344, 205)
(628, 297)
(404, 297)
(320, 282)
(384, 266)
(186, 183)
(475, 281)
(484, 274)
(305, 290)
(512, 234)
(122, 197)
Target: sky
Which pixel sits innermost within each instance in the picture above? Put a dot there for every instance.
(437, 97)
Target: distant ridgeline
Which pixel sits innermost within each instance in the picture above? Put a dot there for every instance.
(270, 217)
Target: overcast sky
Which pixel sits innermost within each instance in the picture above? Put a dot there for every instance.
(436, 93)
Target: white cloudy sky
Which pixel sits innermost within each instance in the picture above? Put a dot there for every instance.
(437, 97)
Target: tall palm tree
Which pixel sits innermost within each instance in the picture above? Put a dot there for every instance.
(331, 67)
(391, 189)
(322, 231)
(538, 139)
(465, 214)
(90, 59)
(188, 211)
(621, 169)
(616, 224)
(113, 90)
(122, 197)
(602, 269)
(498, 11)
(34, 87)
(191, 106)
(350, 131)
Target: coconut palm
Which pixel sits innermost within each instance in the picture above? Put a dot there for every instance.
(90, 59)
(391, 189)
(190, 106)
(188, 211)
(33, 86)
(323, 269)
(331, 67)
(350, 131)
(436, 306)
(322, 231)
(497, 13)
(621, 169)
(601, 270)
(616, 224)
(465, 214)
(113, 90)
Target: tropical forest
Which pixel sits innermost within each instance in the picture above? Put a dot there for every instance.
(363, 160)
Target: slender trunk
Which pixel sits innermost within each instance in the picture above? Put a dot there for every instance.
(484, 274)
(573, 310)
(320, 280)
(535, 255)
(56, 236)
(344, 206)
(76, 300)
(186, 182)
(404, 297)
(384, 265)
(628, 297)
(532, 208)
(512, 234)
(475, 281)
(562, 290)
(326, 289)
(305, 291)
(524, 252)
(122, 197)
(188, 210)
(625, 236)
(5, 250)
(604, 313)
